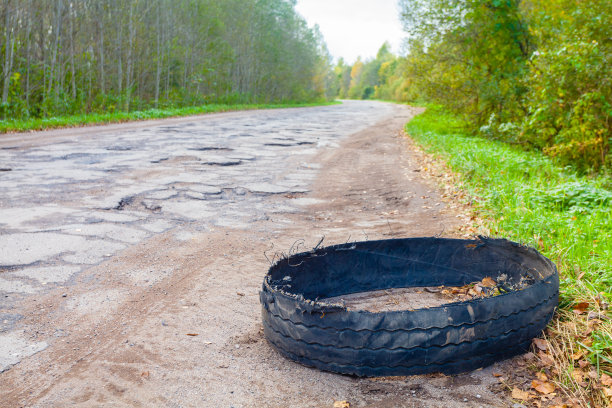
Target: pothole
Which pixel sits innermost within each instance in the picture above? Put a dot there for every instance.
(210, 148)
(228, 162)
(119, 148)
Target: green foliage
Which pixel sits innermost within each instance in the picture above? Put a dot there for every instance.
(61, 58)
(469, 55)
(532, 73)
(570, 85)
(363, 79)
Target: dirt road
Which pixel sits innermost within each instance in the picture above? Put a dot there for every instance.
(131, 257)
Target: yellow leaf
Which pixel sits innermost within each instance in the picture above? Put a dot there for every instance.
(488, 282)
(342, 404)
(543, 387)
(521, 395)
(577, 355)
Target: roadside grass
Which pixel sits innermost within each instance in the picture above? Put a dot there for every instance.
(23, 125)
(524, 197)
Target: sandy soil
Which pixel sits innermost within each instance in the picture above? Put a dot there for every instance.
(174, 320)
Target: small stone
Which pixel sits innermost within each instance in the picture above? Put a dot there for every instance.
(478, 396)
(64, 295)
(465, 400)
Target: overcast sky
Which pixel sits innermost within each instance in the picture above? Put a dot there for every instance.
(354, 28)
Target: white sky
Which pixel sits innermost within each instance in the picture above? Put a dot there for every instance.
(354, 28)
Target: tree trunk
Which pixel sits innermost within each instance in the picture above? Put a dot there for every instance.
(56, 29)
(101, 48)
(71, 16)
(6, 70)
(159, 56)
(119, 49)
(129, 82)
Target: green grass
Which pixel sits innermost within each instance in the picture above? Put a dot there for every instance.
(523, 196)
(10, 125)
(527, 198)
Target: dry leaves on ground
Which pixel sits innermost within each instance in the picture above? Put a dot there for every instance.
(541, 344)
(341, 404)
(519, 394)
(543, 387)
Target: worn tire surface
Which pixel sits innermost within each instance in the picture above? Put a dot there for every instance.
(452, 338)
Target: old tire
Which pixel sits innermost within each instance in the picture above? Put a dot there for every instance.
(452, 338)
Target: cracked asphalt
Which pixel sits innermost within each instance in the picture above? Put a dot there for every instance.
(66, 205)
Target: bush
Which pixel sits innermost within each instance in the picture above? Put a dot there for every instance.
(569, 104)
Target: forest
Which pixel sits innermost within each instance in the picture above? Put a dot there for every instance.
(61, 57)
(533, 73)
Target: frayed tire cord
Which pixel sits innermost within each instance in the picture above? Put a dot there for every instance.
(452, 338)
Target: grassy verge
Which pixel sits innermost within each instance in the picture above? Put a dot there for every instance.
(524, 197)
(24, 125)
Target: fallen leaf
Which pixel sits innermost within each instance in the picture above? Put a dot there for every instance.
(577, 355)
(583, 363)
(607, 392)
(497, 375)
(521, 395)
(471, 246)
(145, 374)
(543, 387)
(240, 293)
(541, 376)
(541, 344)
(606, 380)
(581, 307)
(342, 404)
(192, 334)
(488, 282)
(578, 375)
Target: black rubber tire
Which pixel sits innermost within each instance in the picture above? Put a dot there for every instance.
(450, 339)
